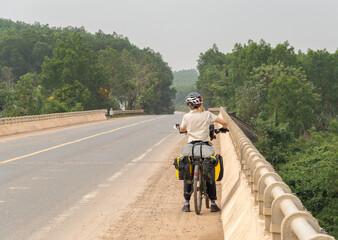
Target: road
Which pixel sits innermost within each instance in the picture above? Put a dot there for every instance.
(73, 183)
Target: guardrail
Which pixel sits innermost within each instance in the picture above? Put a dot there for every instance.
(14, 120)
(214, 109)
(139, 111)
(285, 216)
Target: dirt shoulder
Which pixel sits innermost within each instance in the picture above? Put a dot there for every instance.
(156, 213)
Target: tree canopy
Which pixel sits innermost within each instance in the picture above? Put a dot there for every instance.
(77, 70)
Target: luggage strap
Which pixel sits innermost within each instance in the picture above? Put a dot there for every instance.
(200, 143)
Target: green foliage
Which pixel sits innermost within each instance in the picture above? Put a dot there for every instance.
(212, 81)
(311, 171)
(284, 95)
(283, 53)
(138, 81)
(62, 58)
(293, 103)
(73, 96)
(24, 98)
(73, 62)
(321, 69)
(184, 83)
(185, 77)
(54, 106)
(274, 140)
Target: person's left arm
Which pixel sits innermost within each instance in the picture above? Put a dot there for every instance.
(221, 121)
(214, 118)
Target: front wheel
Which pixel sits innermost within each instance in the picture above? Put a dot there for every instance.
(197, 190)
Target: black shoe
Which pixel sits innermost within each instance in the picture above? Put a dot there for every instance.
(186, 208)
(214, 208)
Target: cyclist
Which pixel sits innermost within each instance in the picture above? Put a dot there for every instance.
(196, 124)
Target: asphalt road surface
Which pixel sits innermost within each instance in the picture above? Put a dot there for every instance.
(72, 183)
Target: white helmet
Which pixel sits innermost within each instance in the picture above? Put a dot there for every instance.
(195, 99)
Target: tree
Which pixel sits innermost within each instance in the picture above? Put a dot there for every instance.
(61, 56)
(24, 99)
(212, 81)
(73, 96)
(253, 96)
(73, 60)
(321, 69)
(293, 102)
(7, 79)
(284, 53)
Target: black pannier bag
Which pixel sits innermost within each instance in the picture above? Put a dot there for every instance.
(209, 168)
(183, 167)
(213, 168)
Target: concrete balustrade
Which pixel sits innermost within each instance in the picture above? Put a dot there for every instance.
(15, 125)
(15, 120)
(139, 111)
(284, 214)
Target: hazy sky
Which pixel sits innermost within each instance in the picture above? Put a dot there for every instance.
(181, 29)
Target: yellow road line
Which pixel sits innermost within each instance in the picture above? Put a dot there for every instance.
(79, 140)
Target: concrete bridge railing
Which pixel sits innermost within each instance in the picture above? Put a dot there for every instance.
(15, 125)
(284, 214)
(14, 120)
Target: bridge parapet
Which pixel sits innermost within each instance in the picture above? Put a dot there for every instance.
(32, 118)
(284, 214)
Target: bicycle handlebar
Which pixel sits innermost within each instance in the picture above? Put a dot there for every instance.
(212, 130)
(222, 130)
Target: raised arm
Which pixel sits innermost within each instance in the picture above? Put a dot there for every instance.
(221, 121)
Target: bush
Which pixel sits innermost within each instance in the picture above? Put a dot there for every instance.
(54, 106)
(311, 171)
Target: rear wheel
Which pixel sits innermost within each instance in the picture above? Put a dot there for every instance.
(197, 190)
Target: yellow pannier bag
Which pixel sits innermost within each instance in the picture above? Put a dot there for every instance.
(213, 167)
(219, 169)
(183, 167)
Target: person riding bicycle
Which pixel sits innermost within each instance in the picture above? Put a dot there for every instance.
(196, 124)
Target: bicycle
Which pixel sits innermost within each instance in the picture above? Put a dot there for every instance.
(199, 178)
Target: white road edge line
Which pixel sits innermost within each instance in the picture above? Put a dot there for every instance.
(86, 198)
(19, 188)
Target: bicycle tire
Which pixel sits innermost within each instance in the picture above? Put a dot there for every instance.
(197, 190)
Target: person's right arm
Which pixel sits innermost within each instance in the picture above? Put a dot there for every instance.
(183, 126)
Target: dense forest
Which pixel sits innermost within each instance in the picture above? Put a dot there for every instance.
(46, 69)
(184, 83)
(292, 101)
